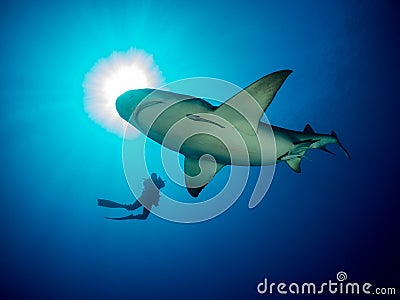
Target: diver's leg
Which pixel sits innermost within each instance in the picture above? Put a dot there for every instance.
(133, 206)
(143, 215)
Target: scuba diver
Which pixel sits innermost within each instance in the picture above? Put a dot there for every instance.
(150, 196)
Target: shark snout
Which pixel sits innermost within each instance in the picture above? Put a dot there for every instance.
(130, 102)
(125, 105)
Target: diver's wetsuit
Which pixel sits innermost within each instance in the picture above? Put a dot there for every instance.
(150, 196)
(142, 216)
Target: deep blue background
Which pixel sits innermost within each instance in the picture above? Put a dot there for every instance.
(55, 161)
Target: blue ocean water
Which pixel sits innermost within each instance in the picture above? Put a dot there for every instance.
(337, 215)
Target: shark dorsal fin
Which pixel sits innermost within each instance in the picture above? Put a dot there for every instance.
(308, 129)
(244, 113)
(198, 173)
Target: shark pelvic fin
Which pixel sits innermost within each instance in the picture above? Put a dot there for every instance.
(296, 154)
(198, 173)
(294, 164)
(244, 113)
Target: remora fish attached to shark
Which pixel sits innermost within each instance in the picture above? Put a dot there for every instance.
(200, 119)
(231, 133)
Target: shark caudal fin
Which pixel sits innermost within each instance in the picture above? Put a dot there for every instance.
(307, 140)
(308, 130)
(334, 135)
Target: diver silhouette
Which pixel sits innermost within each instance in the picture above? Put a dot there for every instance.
(150, 196)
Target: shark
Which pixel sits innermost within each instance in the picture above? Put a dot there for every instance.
(232, 133)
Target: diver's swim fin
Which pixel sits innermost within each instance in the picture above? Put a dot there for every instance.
(110, 204)
(121, 218)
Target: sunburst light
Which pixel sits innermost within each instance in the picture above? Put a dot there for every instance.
(112, 76)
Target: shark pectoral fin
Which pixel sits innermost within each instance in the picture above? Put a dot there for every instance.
(199, 172)
(294, 164)
(245, 114)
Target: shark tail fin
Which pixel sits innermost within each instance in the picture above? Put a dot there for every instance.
(323, 148)
(333, 134)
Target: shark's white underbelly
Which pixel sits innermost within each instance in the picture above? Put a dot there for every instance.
(212, 135)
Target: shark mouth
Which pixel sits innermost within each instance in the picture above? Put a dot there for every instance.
(143, 106)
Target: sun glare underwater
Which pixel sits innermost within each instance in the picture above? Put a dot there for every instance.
(111, 77)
